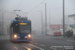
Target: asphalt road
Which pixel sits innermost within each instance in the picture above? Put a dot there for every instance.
(39, 42)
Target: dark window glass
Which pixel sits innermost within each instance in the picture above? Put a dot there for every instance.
(16, 28)
(22, 28)
(25, 29)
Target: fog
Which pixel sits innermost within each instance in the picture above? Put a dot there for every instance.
(55, 7)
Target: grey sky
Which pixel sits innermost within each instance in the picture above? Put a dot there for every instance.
(55, 7)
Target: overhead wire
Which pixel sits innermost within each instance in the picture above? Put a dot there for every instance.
(18, 8)
(35, 7)
(20, 4)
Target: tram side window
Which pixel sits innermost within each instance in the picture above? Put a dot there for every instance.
(16, 28)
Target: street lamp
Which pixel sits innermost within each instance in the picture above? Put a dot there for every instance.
(45, 18)
(49, 17)
(63, 20)
(41, 23)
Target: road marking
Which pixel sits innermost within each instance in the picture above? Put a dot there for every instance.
(70, 40)
(36, 47)
(52, 48)
(42, 45)
(27, 48)
(16, 48)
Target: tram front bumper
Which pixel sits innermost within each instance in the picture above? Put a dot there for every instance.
(22, 39)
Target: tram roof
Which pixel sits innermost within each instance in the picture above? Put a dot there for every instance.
(17, 21)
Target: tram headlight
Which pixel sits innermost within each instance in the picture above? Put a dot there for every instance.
(15, 36)
(29, 36)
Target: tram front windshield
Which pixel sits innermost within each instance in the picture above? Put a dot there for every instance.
(22, 29)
